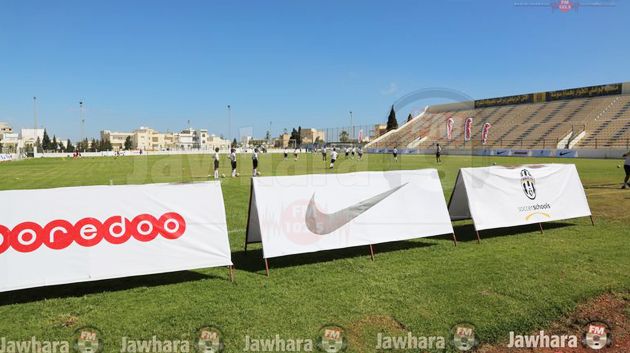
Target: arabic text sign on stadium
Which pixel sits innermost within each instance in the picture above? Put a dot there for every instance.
(101, 232)
(307, 213)
(496, 197)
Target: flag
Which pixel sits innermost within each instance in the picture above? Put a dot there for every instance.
(484, 133)
(468, 129)
(449, 128)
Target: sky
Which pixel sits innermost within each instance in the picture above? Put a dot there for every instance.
(287, 63)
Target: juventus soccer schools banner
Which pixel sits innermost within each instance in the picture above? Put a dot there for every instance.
(76, 234)
(496, 197)
(307, 213)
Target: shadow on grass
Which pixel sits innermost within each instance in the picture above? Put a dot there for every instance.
(108, 285)
(466, 232)
(252, 259)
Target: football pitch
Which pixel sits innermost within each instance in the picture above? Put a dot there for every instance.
(517, 279)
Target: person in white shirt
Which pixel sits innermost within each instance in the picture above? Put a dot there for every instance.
(286, 154)
(324, 153)
(353, 150)
(360, 153)
(626, 167)
(347, 152)
(295, 153)
(333, 158)
(216, 163)
(255, 162)
(233, 161)
(395, 152)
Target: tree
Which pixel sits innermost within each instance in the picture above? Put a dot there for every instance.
(299, 136)
(344, 136)
(54, 145)
(268, 135)
(38, 144)
(128, 143)
(392, 123)
(409, 117)
(69, 146)
(46, 142)
(234, 143)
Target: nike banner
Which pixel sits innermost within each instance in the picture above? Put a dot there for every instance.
(76, 234)
(307, 213)
(496, 197)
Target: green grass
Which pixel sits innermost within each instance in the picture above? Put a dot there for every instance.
(515, 280)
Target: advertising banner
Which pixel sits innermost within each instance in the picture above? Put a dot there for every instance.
(308, 213)
(496, 197)
(88, 233)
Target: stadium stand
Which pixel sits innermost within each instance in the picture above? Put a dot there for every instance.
(588, 117)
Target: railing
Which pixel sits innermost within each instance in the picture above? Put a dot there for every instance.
(551, 143)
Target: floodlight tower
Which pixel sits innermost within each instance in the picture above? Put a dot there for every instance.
(82, 120)
(35, 113)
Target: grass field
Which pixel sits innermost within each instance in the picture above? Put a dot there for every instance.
(516, 280)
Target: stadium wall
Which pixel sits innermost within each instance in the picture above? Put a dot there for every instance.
(501, 152)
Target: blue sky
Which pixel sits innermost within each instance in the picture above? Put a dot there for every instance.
(162, 63)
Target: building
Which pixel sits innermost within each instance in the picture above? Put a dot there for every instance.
(283, 140)
(216, 141)
(117, 139)
(147, 139)
(312, 135)
(379, 130)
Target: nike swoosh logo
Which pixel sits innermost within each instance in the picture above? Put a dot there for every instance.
(563, 153)
(322, 223)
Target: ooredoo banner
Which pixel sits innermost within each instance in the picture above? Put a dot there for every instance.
(496, 197)
(75, 234)
(307, 213)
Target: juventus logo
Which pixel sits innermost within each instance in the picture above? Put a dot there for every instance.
(527, 181)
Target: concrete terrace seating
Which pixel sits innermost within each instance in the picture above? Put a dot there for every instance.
(606, 121)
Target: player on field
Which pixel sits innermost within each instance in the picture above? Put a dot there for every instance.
(295, 154)
(324, 153)
(233, 161)
(395, 153)
(286, 154)
(626, 167)
(255, 162)
(347, 152)
(438, 152)
(216, 163)
(360, 152)
(352, 151)
(333, 158)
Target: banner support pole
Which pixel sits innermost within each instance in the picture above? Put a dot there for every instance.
(231, 273)
(592, 221)
(454, 239)
(371, 252)
(541, 228)
(267, 267)
(249, 211)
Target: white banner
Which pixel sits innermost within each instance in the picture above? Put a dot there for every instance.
(496, 197)
(66, 235)
(6, 157)
(307, 213)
